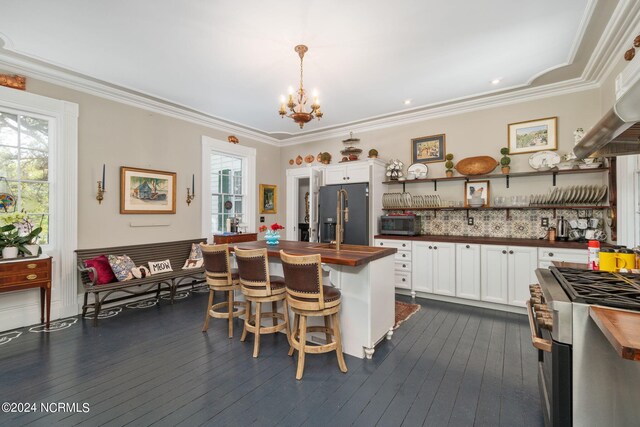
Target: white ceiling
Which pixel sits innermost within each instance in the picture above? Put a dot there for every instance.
(232, 60)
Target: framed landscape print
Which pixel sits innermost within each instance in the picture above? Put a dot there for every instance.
(428, 149)
(147, 191)
(533, 135)
(479, 188)
(268, 199)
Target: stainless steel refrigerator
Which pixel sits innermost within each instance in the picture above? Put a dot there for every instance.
(356, 230)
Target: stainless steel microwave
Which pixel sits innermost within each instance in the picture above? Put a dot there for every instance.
(400, 225)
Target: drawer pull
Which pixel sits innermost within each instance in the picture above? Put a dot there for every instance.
(32, 277)
(381, 244)
(468, 246)
(430, 247)
(404, 265)
(511, 252)
(504, 252)
(32, 266)
(404, 280)
(435, 247)
(404, 245)
(404, 255)
(550, 253)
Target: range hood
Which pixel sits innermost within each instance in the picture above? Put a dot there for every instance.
(618, 132)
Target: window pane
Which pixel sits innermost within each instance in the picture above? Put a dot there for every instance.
(8, 162)
(34, 133)
(237, 183)
(34, 197)
(238, 205)
(41, 221)
(34, 165)
(8, 129)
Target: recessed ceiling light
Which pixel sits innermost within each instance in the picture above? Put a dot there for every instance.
(495, 81)
(407, 101)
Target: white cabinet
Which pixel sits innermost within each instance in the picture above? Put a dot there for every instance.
(403, 264)
(434, 268)
(506, 273)
(468, 271)
(347, 173)
(546, 256)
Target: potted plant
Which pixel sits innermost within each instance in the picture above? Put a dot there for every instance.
(505, 160)
(10, 241)
(27, 231)
(449, 165)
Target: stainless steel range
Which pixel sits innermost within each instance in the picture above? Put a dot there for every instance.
(583, 381)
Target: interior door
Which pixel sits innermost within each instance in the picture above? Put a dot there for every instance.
(315, 181)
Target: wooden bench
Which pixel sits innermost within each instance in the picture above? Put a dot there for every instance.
(176, 252)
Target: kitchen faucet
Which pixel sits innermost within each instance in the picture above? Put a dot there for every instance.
(342, 214)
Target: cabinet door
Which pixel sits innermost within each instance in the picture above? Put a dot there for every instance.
(335, 175)
(493, 274)
(468, 271)
(523, 262)
(444, 268)
(357, 173)
(421, 267)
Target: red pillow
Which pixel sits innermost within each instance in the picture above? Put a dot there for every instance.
(105, 273)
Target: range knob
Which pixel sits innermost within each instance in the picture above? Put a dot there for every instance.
(536, 300)
(535, 287)
(545, 322)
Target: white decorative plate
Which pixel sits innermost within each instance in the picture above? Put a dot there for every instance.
(418, 168)
(544, 159)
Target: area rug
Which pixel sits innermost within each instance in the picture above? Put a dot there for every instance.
(404, 311)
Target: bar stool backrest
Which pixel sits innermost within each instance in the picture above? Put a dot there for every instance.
(253, 268)
(303, 280)
(216, 264)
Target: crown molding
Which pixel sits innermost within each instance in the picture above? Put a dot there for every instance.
(20, 64)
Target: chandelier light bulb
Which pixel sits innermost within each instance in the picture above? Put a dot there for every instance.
(290, 90)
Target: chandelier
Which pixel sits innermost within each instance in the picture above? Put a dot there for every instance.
(298, 105)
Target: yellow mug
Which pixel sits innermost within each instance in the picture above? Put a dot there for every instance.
(610, 261)
(628, 257)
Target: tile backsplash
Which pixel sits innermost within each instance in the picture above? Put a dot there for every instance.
(494, 223)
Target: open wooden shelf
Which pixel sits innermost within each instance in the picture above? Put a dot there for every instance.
(506, 176)
(462, 208)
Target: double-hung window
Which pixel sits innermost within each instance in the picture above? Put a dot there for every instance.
(228, 191)
(24, 167)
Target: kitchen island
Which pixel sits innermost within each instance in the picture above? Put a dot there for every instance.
(364, 276)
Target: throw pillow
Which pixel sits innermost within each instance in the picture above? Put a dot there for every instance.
(103, 270)
(193, 263)
(140, 272)
(160, 266)
(121, 266)
(196, 251)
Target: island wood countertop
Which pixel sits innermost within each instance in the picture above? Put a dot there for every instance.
(350, 255)
(506, 241)
(621, 328)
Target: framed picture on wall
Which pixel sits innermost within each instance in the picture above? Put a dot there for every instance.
(477, 189)
(428, 149)
(533, 135)
(268, 199)
(147, 191)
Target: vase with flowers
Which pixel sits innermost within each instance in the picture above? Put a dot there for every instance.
(271, 233)
(19, 234)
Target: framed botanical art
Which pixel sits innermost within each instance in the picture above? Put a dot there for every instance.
(147, 191)
(268, 199)
(428, 149)
(533, 135)
(477, 189)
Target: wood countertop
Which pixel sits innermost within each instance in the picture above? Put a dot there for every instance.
(621, 328)
(350, 255)
(539, 243)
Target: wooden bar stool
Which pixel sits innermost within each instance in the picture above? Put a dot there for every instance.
(220, 277)
(257, 287)
(308, 297)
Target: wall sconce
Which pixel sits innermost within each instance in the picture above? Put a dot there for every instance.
(191, 194)
(101, 188)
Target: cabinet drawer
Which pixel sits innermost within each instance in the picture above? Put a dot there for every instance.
(23, 278)
(403, 256)
(398, 244)
(403, 280)
(26, 267)
(568, 255)
(403, 266)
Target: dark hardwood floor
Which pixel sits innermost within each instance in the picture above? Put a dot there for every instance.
(447, 365)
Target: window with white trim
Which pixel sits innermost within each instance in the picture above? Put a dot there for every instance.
(228, 190)
(24, 168)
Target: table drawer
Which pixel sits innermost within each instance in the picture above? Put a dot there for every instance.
(403, 266)
(27, 267)
(403, 280)
(25, 278)
(398, 244)
(403, 256)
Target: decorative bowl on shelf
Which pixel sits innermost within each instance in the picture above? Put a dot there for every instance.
(479, 165)
(476, 203)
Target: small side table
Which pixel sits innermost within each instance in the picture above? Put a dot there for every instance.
(219, 239)
(21, 274)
